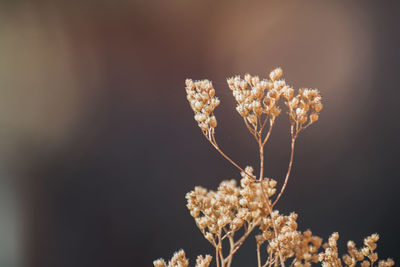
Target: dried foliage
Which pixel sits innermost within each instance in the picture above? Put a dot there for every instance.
(226, 217)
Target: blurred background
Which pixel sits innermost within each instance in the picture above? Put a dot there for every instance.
(98, 145)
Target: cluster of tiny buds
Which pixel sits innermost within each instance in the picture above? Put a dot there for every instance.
(283, 238)
(202, 99)
(354, 255)
(230, 206)
(256, 97)
(304, 107)
(179, 260)
(307, 250)
(330, 257)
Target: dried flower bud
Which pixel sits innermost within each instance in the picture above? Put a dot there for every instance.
(209, 237)
(203, 262)
(213, 122)
(275, 74)
(318, 107)
(313, 117)
(159, 263)
(252, 119)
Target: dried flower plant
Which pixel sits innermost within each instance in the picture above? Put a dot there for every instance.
(226, 217)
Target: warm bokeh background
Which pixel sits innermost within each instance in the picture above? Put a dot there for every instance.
(98, 145)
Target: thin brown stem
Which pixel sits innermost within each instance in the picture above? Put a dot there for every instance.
(231, 245)
(215, 145)
(265, 196)
(239, 242)
(217, 255)
(269, 133)
(220, 250)
(249, 128)
(276, 261)
(288, 171)
(269, 262)
(263, 124)
(258, 256)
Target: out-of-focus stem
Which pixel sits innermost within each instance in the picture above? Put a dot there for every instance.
(249, 128)
(231, 245)
(265, 196)
(215, 145)
(258, 256)
(241, 240)
(269, 133)
(288, 171)
(217, 255)
(220, 250)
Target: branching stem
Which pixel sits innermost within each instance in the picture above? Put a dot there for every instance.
(294, 136)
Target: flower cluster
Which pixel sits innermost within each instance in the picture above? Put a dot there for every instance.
(307, 250)
(365, 255)
(202, 99)
(179, 260)
(286, 238)
(256, 97)
(228, 215)
(229, 207)
(303, 107)
(330, 258)
(281, 233)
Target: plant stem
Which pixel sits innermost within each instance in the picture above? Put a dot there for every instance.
(238, 243)
(217, 255)
(265, 196)
(269, 132)
(288, 171)
(215, 145)
(231, 245)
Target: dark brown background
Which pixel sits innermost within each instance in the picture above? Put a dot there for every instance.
(99, 147)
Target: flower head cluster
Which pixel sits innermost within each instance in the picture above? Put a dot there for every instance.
(256, 97)
(307, 250)
(283, 238)
(203, 261)
(369, 252)
(230, 206)
(179, 260)
(304, 107)
(365, 255)
(330, 258)
(202, 99)
(222, 214)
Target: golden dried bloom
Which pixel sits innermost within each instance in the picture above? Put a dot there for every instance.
(237, 209)
(201, 97)
(314, 117)
(231, 206)
(354, 255)
(330, 256)
(387, 263)
(159, 263)
(203, 261)
(256, 97)
(305, 106)
(370, 241)
(307, 249)
(178, 260)
(276, 74)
